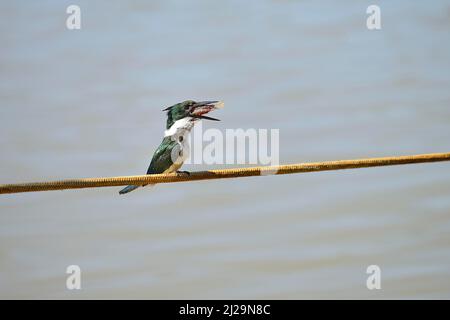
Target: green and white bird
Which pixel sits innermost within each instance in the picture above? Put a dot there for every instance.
(174, 149)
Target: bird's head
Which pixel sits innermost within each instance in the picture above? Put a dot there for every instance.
(192, 109)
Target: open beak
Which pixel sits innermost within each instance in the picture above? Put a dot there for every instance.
(199, 109)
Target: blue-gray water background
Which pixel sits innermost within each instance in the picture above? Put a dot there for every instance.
(88, 103)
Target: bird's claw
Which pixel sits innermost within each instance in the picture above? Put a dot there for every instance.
(186, 173)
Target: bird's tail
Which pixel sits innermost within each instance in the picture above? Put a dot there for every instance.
(128, 189)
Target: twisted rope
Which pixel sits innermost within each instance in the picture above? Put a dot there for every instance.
(222, 174)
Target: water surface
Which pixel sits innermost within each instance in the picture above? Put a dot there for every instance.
(88, 103)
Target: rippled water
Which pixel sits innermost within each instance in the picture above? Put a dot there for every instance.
(88, 103)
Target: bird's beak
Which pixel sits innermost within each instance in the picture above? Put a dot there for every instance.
(199, 109)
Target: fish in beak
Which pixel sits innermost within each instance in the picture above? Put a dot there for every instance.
(199, 109)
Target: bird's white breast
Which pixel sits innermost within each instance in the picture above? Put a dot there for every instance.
(179, 132)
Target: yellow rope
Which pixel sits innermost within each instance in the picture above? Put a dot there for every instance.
(222, 174)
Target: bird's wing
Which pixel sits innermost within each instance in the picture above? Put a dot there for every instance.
(162, 159)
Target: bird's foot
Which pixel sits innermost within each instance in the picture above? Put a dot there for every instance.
(186, 173)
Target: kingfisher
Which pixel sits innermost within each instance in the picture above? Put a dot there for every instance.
(174, 148)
